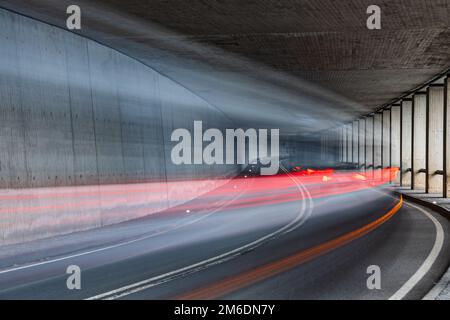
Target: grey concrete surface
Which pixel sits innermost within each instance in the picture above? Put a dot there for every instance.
(361, 142)
(406, 143)
(386, 139)
(435, 139)
(395, 148)
(369, 143)
(355, 141)
(350, 143)
(324, 41)
(344, 144)
(378, 141)
(447, 137)
(81, 118)
(419, 140)
(435, 199)
(76, 113)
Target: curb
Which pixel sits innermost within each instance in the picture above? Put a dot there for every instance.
(435, 207)
(441, 290)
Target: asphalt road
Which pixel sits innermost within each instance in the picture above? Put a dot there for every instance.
(314, 248)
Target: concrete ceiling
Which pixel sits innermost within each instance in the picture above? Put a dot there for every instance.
(212, 43)
(325, 41)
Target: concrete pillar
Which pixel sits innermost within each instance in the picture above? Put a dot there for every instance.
(369, 143)
(386, 141)
(349, 144)
(362, 143)
(355, 126)
(335, 146)
(435, 138)
(395, 134)
(344, 144)
(419, 110)
(377, 146)
(406, 142)
(447, 138)
(386, 138)
(329, 148)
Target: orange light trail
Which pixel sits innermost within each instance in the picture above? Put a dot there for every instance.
(245, 279)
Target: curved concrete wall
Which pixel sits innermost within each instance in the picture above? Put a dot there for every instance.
(74, 113)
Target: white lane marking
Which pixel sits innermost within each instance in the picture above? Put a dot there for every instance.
(120, 244)
(428, 262)
(166, 277)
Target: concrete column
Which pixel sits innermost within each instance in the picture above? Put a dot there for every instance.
(339, 144)
(328, 148)
(349, 144)
(447, 138)
(406, 141)
(355, 135)
(335, 146)
(395, 134)
(344, 144)
(377, 146)
(435, 139)
(362, 143)
(386, 138)
(369, 143)
(386, 141)
(419, 110)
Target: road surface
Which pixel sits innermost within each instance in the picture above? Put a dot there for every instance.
(297, 241)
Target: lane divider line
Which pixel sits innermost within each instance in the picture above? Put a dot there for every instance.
(300, 219)
(428, 262)
(245, 279)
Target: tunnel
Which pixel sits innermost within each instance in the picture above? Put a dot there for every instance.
(198, 150)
